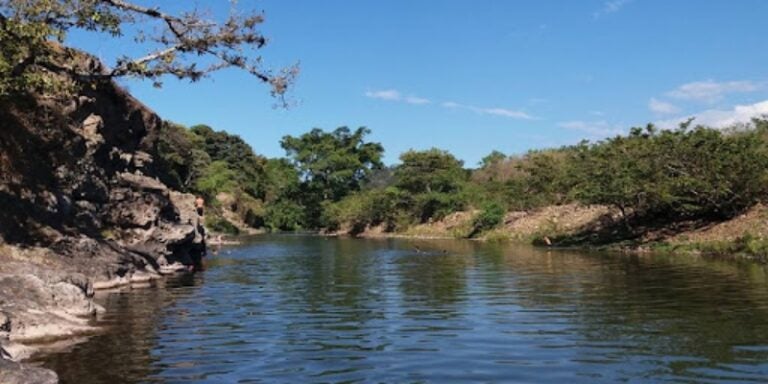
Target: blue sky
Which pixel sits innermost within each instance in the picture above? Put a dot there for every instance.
(480, 75)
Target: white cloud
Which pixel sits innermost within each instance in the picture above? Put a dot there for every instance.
(711, 91)
(451, 104)
(611, 6)
(662, 108)
(595, 129)
(504, 112)
(388, 94)
(416, 100)
(395, 95)
(718, 118)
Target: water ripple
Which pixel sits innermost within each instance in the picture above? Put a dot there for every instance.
(308, 309)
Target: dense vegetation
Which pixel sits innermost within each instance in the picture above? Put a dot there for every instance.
(333, 180)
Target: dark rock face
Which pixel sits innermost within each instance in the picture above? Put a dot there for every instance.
(77, 177)
(81, 207)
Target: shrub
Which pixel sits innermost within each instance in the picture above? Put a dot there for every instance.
(490, 217)
(284, 216)
(220, 224)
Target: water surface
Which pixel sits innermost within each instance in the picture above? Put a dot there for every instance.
(294, 309)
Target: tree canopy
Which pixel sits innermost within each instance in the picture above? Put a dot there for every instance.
(335, 179)
(433, 181)
(335, 163)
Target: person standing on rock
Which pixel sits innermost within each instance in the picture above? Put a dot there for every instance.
(200, 205)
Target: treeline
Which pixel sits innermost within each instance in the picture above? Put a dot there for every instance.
(333, 180)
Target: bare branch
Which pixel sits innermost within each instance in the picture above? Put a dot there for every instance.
(184, 39)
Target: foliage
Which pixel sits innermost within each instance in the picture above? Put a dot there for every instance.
(281, 180)
(220, 224)
(335, 180)
(284, 215)
(746, 245)
(217, 177)
(331, 165)
(699, 172)
(175, 44)
(490, 217)
(432, 183)
(237, 154)
(180, 158)
(492, 159)
(363, 209)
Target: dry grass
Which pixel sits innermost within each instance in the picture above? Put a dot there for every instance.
(754, 222)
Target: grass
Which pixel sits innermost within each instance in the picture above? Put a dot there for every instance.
(747, 245)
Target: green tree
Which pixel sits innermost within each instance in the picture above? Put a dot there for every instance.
(180, 156)
(217, 177)
(675, 174)
(281, 180)
(233, 150)
(331, 165)
(433, 181)
(492, 159)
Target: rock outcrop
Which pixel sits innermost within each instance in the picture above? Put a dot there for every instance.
(82, 207)
(15, 373)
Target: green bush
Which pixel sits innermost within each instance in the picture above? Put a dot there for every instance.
(219, 224)
(217, 177)
(490, 217)
(284, 216)
(360, 210)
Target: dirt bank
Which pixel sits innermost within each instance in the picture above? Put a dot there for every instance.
(575, 225)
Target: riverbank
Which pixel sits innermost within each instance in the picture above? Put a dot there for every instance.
(601, 227)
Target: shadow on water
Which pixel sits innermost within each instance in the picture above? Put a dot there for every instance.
(314, 309)
(124, 352)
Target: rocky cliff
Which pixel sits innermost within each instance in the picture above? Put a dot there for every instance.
(81, 208)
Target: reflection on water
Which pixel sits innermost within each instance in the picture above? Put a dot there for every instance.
(311, 309)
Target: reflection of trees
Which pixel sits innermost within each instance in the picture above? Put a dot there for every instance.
(676, 308)
(628, 307)
(329, 273)
(337, 302)
(433, 280)
(122, 354)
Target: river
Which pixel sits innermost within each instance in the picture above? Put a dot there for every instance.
(301, 309)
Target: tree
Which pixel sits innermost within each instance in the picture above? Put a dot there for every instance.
(187, 46)
(281, 181)
(218, 177)
(180, 157)
(493, 158)
(333, 164)
(233, 150)
(433, 181)
(675, 174)
(429, 171)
